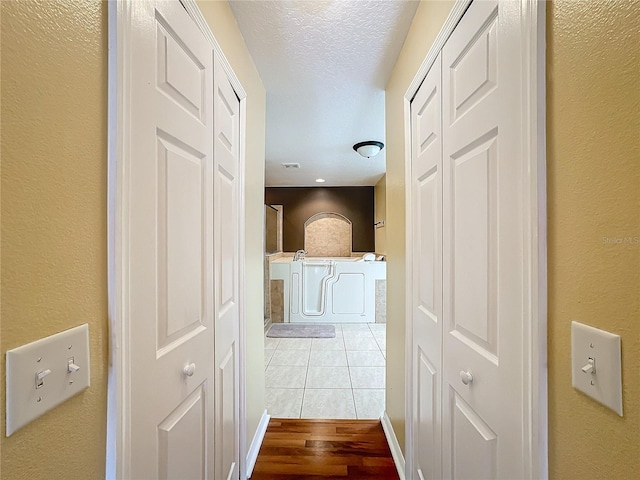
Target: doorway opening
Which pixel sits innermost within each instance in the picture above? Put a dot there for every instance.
(342, 377)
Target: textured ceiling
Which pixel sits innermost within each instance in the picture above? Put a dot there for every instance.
(324, 65)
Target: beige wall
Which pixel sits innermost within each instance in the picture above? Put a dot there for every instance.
(593, 156)
(54, 219)
(54, 223)
(427, 22)
(593, 161)
(224, 27)
(380, 213)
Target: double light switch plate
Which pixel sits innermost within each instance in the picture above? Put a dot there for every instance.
(45, 373)
(596, 365)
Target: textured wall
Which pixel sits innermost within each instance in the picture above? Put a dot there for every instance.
(224, 27)
(429, 18)
(300, 203)
(54, 218)
(593, 158)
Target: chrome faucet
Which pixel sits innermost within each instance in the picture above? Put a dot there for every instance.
(299, 255)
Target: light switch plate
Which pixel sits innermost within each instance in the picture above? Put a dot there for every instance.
(62, 362)
(605, 385)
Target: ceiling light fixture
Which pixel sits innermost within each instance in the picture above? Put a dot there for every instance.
(369, 148)
(320, 180)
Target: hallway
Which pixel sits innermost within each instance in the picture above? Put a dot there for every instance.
(61, 161)
(306, 449)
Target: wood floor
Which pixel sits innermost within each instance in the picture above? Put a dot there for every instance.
(322, 449)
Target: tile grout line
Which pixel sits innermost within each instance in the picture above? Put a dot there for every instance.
(304, 390)
(353, 396)
(355, 411)
(306, 377)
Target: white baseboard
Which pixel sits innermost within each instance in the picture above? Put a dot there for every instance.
(256, 443)
(392, 440)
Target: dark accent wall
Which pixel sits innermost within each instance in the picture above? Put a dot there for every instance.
(300, 203)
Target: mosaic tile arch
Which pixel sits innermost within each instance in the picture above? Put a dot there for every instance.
(328, 234)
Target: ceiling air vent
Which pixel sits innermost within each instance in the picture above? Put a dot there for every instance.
(290, 165)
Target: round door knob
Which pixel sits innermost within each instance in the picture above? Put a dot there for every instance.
(466, 377)
(189, 370)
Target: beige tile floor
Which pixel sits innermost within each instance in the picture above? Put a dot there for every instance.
(342, 377)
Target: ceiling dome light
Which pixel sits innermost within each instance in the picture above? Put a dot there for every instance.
(320, 180)
(368, 149)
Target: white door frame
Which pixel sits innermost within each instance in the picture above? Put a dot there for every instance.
(120, 25)
(533, 123)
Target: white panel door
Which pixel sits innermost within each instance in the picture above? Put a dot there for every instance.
(483, 250)
(226, 231)
(426, 225)
(169, 248)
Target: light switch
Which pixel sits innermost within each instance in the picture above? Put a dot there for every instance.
(596, 366)
(45, 373)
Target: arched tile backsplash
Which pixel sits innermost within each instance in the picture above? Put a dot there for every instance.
(328, 234)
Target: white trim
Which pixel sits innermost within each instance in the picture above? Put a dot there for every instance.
(535, 332)
(242, 330)
(443, 35)
(112, 204)
(194, 12)
(394, 446)
(118, 458)
(256, 443)
(408, 336)
(534, 134)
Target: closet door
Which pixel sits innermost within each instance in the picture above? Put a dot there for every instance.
(167, 280)
(426, 227)
(226, 233)
(483, 250)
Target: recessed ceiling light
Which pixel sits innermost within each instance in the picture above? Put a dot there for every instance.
(320, 180)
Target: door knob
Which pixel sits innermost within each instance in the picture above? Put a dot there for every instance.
(189, 369)
(466, 377)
